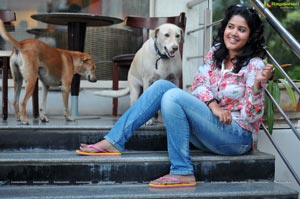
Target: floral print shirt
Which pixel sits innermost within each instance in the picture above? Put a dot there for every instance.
(233, 90)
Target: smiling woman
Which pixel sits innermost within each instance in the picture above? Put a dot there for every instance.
(247, 20)
(236, 35)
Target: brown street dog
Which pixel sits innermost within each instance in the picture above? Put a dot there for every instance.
(32, 59)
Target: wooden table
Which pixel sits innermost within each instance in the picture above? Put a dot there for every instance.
(77, 23)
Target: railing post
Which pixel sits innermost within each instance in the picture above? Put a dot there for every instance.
(285, 35)
(207, 31)
(192, 3)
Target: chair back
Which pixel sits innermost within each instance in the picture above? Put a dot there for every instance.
(8, 16)
(150, 23)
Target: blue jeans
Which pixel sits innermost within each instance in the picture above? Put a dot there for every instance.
(187, 119)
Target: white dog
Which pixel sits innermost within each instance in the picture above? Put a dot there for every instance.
(158, 58)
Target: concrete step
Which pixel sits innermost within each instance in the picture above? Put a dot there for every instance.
(145, 138)
(65, 167)
(244, 190)
(58, 134)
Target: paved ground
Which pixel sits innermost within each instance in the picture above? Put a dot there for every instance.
(59, 121)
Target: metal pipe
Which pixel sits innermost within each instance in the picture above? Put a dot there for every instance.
(284, 34)
(193, 3)
(283, 114)
(194, 57)
(205, 35)
(207, 26)
(273, 60)
(296, 132)
(293, 172)
(194, 30)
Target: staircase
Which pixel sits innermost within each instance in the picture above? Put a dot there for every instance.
(39, 161)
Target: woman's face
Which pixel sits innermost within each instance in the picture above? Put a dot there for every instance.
(236, 35)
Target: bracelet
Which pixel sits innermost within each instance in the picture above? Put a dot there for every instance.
(210, 101)
(255, 90)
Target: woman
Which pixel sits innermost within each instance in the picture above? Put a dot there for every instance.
(222, 115)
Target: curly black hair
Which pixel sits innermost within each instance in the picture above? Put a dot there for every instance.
(255, 46)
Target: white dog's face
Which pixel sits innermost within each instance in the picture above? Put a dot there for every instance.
(168, 38)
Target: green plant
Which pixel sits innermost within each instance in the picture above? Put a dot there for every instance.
(294, 72)
(274, 90)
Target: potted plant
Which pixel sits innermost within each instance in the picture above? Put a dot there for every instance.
(276, 86)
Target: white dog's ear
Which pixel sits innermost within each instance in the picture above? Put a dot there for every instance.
(154, 33)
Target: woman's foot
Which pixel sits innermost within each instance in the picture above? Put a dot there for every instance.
(172, 181)
(102, 148)
(103, 144)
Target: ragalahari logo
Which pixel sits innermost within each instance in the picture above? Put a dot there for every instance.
(267, 3)
(282, 4)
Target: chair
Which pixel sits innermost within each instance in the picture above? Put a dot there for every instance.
(146, 24)
(8, 17)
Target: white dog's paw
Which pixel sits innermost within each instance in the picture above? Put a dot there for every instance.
(44, 118)
(69, 118)
(149, 122)
(25, 123)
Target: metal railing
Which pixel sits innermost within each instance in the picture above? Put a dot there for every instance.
(271, 19)
(295, 46)
(205, 27)
(193, 3)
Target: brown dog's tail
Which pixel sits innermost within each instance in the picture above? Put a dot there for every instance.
(7, 37)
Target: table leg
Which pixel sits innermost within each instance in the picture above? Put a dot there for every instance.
(115, 86)
(76, 36)
(35, 100)
(5, 61)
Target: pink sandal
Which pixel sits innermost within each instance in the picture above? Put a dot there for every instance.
(98, 151)
(170, 182)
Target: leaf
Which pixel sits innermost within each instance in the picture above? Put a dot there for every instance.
(270, 86)
(289, 91)
(276, 92)
(270, 115)
(277, 74)
(270, 108)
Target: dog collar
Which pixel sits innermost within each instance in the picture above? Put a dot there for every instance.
(161, 56)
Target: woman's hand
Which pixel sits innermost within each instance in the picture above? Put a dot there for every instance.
(224, 115)
(265, 74)
(262, 76)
